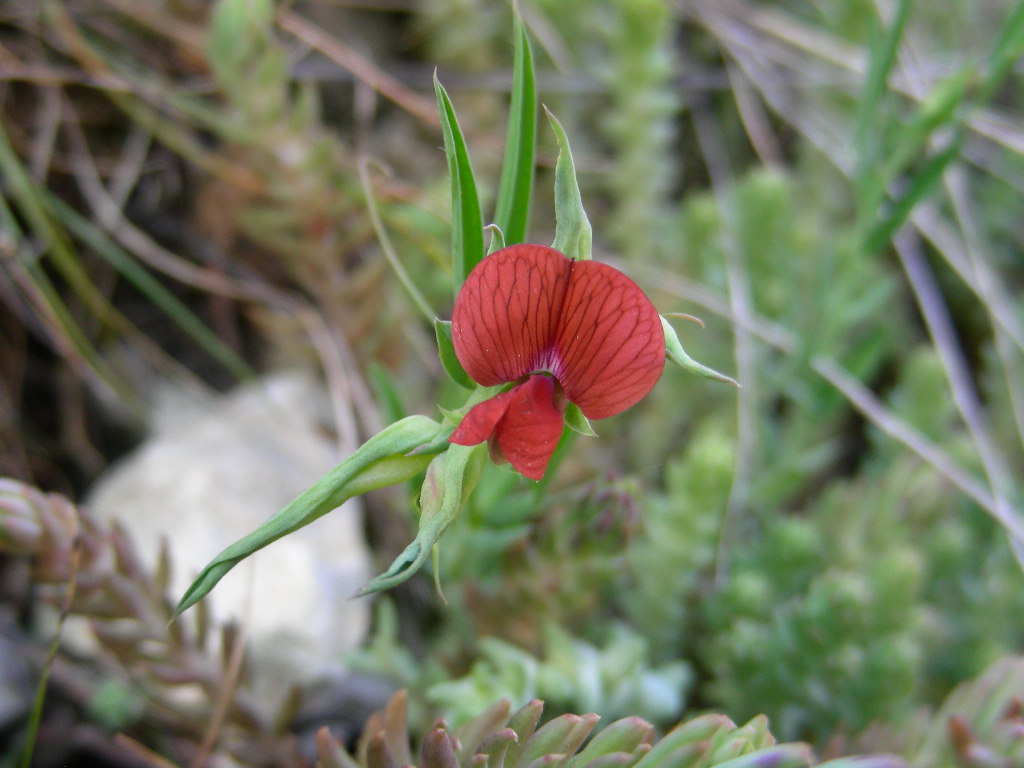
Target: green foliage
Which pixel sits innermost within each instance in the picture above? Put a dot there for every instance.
(818, 625)
(777, 552)
(979, 725)
(846, 612)
(675, 551)
(638, 122)
(613, 680)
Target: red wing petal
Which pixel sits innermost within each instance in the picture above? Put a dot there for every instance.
(506, 312)
(529, 432)
(481, 420)
(609, 350)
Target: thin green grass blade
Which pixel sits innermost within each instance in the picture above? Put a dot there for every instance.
(936, 111)
(920, 186)
(151, 288)
(1006, 51)
(512, 210)
(882, 59)
(36, 715)
(573, 234)
(385, 393)
(32, 204)
(389, 250)
(911, 141)
(467, 222)
(146, 102)
(945, 107)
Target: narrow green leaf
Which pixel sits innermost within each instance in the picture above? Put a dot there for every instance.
(385, 243)
(675, 352)
(446, 351)
(919, 187)
(573, 235)
(1006, 51)
(32, 203)
(385, 393)
(467, 223)
(132, 271)
(512, 210)
(381, 461)
(882, 59)
(939, 109)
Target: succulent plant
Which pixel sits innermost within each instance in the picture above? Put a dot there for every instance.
(93, 572)
(981, 723)
(498, 738)
(614, 679)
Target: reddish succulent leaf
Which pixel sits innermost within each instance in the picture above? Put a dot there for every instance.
(531, 427)
(528, 308)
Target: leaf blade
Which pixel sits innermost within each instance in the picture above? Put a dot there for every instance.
(382, 460)
(512, 210)
(467, 222)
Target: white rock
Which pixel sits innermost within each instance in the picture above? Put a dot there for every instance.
(213, 469)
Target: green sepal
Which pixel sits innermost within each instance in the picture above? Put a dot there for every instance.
(450, 479)
(675, 352)
(467, 222)
(577, 422)
(573, 234)
(382, 460)
(497, 238)
(446, 351)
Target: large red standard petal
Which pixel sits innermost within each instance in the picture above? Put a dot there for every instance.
(528, 433)
(506, 313)
(609, 347)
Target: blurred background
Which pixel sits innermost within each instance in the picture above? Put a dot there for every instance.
(197, 321)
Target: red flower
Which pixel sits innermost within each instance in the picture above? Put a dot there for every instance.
(527, 311)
